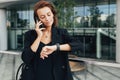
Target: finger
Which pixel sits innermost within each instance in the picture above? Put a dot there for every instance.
(42, 29)
(38, 24)
(39, 21)
(42, 57)
(45, 55)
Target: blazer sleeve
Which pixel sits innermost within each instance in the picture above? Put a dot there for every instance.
(27, 54)
(73, 42)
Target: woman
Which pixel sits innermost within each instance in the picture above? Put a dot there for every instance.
(46, 49)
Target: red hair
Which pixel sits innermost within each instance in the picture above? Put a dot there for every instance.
(42, 4)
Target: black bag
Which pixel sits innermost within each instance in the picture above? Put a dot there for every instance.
(26, 72)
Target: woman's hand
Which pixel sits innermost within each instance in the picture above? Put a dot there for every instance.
(47, 50)
(39, 30)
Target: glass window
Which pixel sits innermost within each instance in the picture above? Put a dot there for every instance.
(93, 22)
(20, 20)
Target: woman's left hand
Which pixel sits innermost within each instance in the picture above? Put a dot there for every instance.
(47, 50)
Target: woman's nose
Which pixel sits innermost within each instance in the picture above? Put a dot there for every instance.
(46, 18)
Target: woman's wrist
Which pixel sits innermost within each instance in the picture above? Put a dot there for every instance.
(57, 47)
(39, 37)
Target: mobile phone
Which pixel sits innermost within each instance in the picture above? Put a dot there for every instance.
(41, 26)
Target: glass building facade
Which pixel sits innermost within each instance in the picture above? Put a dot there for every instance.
(93, 22)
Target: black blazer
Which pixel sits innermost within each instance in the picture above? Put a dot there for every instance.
(60, 62)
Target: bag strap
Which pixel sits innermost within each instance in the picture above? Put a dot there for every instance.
(18, 70)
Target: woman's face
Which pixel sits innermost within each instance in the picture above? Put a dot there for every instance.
(46, 16)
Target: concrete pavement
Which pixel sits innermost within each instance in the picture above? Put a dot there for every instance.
(9, 62)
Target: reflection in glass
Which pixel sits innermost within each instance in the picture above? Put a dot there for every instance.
(93, 22)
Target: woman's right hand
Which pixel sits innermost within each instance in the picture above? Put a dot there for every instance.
(39, 30)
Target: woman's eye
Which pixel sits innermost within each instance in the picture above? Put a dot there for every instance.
(49, 14)
(42, 17)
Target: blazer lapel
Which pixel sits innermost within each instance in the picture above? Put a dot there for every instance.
(55, 35)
